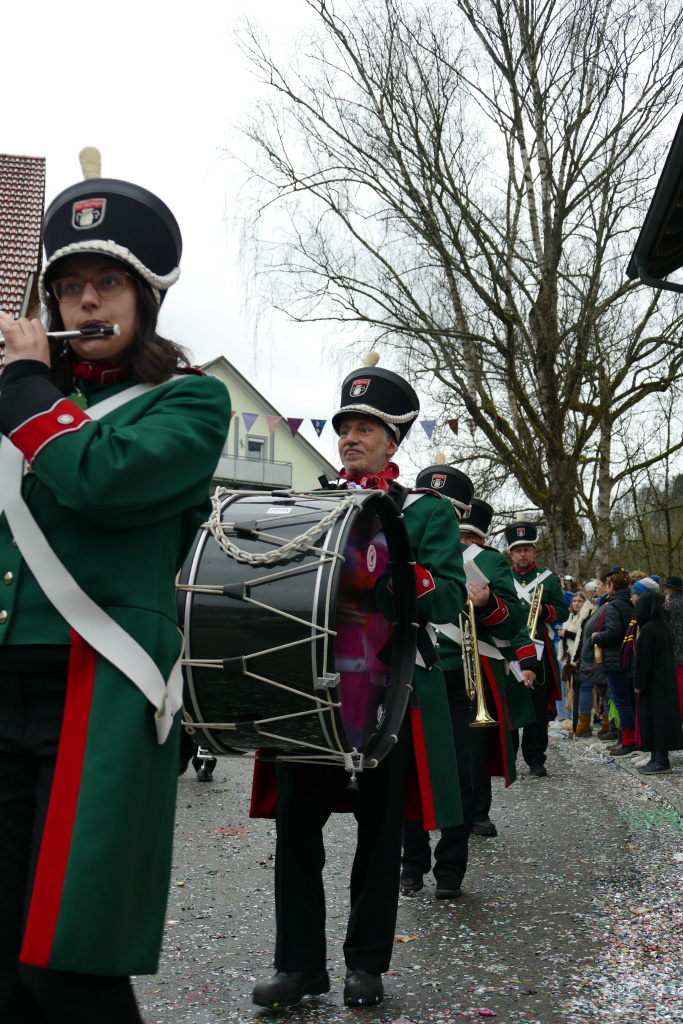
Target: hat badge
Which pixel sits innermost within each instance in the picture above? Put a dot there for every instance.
(438, 480)
(86, 213)
(359, 387)
(521, 531)
(466, 513)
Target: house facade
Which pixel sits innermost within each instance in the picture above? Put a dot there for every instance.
(260, 452)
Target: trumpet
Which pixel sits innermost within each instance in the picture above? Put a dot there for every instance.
(474, 684)
(534, 610)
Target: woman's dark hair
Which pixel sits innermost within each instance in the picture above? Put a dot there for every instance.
(151, 359)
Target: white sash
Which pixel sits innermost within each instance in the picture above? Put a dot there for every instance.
(452, 631)
(524, 590)
(83, 615)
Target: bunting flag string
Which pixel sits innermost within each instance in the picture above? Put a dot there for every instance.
(294, 422)
(453, 424)
(428, 427)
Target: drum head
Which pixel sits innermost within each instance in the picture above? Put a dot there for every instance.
(298, 656)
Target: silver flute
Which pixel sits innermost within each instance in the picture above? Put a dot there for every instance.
(84, 332)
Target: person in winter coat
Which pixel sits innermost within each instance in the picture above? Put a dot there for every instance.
(612, 627)
(591, 674)
(673, 588)
(569, 656)
(655, 683)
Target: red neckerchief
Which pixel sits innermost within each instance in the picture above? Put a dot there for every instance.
(523, 572)
(98, 373)
(374, 481)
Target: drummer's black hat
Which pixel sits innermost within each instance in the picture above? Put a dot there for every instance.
(449, 481)
(381, 393)
(521, 532)
(477, 518)
(118, 218)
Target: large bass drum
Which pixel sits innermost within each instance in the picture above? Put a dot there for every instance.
(286, 647)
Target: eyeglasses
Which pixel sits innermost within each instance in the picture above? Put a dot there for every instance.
(107, 284)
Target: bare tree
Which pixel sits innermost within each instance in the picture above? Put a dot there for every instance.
(465, 179)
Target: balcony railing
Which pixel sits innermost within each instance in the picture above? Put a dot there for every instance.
(254, 471)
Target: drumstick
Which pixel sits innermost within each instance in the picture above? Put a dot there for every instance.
(85, 332)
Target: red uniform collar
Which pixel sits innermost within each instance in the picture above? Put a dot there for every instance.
(373, 481)
(523, 572)
(98, 373)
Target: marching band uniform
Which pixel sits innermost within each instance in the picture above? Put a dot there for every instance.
(306, 795)
(114, 488)
(481, 750)
(547, 688)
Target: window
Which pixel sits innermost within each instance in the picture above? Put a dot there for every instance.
(256, 447)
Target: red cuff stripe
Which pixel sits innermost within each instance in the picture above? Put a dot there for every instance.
(424, 581)
(549, 613)
(63, 418)
(61, 813)
(422, 764)
(498, 615)
(528, 651)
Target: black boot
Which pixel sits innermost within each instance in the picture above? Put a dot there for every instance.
(289, 987)
(363, 989)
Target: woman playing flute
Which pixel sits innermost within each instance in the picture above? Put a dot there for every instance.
(121, 439)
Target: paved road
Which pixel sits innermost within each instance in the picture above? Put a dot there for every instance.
(571, 916)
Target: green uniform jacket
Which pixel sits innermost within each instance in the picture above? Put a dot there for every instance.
(553, 609)
(119, 500)
(500, 628)
(435, 538)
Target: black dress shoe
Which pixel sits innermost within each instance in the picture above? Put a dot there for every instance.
(623, 751)
(411, 883)
(483, 827)
(611, 734)
(363, 989)
(539, 770)
(289, 987)
(447, 888)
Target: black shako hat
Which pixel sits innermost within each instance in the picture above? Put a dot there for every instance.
(477, 518)
(521, 532)
(117, 218)
(449, 481)
(374, 391)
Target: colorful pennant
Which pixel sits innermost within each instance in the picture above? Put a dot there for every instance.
(272, 422)
(453, 424)
(249, 419)
(428, 427)
(318, 426)
(293, 423)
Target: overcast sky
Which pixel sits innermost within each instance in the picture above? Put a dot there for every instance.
(157, 88)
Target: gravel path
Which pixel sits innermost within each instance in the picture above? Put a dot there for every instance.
(573, 915)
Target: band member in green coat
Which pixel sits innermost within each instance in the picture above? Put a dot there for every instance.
(110, 443)
(376, 410)
(500, 648)
(521, 539)
(481, 749)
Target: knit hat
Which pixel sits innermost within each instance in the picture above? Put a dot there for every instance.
(115, 218)
(642, 586)
(478, 518)
(374, 391)
(449, 481)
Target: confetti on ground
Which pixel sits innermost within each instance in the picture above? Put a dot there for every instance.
(572, 915)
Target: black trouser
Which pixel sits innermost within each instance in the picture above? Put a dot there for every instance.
(305, 797)
(472, 749)
(535, 736)
(32, 690)
(483, 799)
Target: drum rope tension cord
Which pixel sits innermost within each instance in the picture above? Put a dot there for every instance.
(216, 527)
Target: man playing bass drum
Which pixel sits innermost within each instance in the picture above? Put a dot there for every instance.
(376, 411)
(521, 538)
